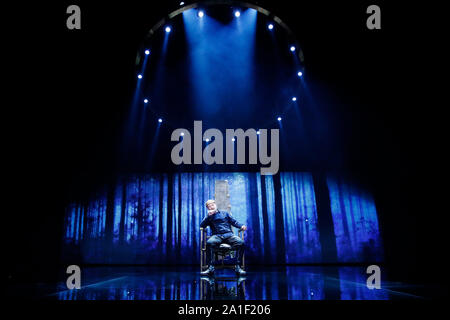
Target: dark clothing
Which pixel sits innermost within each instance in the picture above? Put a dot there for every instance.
(220, 223)
(234, 241)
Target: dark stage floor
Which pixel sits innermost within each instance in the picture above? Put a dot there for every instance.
(169, 283)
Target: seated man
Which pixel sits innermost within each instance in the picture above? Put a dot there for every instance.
(220, 223)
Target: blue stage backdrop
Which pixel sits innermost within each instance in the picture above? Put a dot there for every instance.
(154, 219)
(355, 222)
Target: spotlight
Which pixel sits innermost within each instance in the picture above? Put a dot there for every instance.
(292, 48)
(139, 76)
(207, 140)
(237, 13)
(147, 52)
(257, 132)
(300, 73)
(145, 100)
(159, 120)
(168, 29)
(182, 134)
(279, 118)
(233, 139)
(270, 26)
(294, 98)
(182, 3)
(201, 14)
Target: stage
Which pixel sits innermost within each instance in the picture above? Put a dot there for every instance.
(262, 283)
(312, 131)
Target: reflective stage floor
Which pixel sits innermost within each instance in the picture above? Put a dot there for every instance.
(271, 283)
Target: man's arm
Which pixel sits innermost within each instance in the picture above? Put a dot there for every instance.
(233, 221)
(205, 222)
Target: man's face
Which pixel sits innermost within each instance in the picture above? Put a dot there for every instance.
(211, 206)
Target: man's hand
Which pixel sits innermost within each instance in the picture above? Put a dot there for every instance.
(243, 228)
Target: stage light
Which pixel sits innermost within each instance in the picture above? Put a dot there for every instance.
(233, 139)
(292, 48)
(181, 3)
(159, 120)
(145, 100)
(139, 76)
(300, 73)
(294, 98)
(207, 140)
(182, 134)
(201, 14)
(237, 13)
(270, 26)
(279, 118)
(168, 29)
(147, 52)
(258, 132)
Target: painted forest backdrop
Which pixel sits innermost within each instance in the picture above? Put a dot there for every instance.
(154, 219)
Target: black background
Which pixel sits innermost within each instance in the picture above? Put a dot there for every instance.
(64, 104)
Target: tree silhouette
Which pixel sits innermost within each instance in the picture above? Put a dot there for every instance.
(324, 218)
(194, 225)
(169, 218)
(160, 218)
(267, 251)
(179, 218)
(109, 222)
(123, 210)
(279, 221)
(254, 215)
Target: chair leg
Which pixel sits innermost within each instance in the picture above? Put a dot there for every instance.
(201, 249)
(201, 260)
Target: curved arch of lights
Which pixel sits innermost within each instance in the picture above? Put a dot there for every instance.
(241, 4)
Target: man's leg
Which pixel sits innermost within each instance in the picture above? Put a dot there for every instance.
(237, 244)
(212, 243)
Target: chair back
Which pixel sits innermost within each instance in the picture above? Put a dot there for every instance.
(222, 198)
(222, 195)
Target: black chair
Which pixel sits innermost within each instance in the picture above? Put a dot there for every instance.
(220, 254)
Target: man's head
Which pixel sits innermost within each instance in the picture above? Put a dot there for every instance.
(211, 205)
